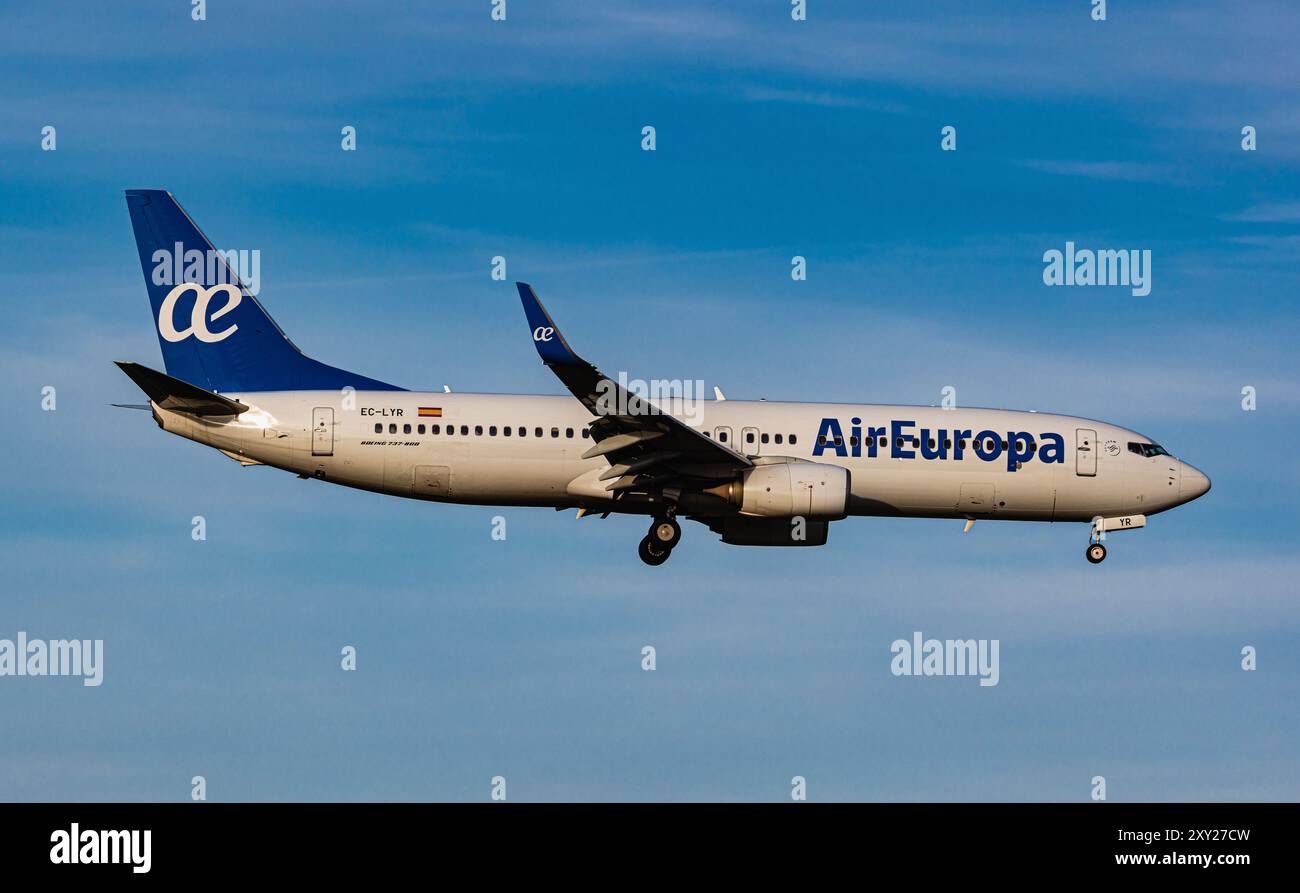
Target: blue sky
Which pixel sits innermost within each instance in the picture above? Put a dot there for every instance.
(480, 658)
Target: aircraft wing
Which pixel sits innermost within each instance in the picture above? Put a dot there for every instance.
(646, 447)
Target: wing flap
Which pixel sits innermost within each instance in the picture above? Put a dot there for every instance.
(618, 442)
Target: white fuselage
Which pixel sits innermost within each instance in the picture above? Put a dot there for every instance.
(377, 440)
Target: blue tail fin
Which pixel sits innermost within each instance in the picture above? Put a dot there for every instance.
(213, 331)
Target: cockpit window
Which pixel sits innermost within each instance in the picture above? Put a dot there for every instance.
(1147, 449)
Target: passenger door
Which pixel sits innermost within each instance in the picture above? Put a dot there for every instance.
(322, 431)
(1085, 452)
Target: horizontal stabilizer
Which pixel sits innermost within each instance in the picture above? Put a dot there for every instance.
(179, 396)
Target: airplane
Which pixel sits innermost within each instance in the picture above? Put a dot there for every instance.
(759, 473)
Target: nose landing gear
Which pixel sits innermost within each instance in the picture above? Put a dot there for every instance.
(1096, 552)
(1100, 526)
(665, 533)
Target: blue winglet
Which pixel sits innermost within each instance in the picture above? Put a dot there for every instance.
(551, 346)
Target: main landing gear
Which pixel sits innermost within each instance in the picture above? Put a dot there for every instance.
(665, 533)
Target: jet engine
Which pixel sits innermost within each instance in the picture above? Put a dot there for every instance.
(789, 489)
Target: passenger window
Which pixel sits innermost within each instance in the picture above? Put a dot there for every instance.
(537, 432)
(821, 440)
(492, 431)
(763, 439)
(853, 440)
(392, 428)
(792, 440)
(839, 441)
(523, 432)
(568, 432)
(419, 429)
(585, 434)
(722, 436)
(749, 437)
(555, 432)
(464, 430)
(435, 429)
(378, 428)
(778, 438)
(478, 430)
(947, 444)
(930, 443)
(406, 429)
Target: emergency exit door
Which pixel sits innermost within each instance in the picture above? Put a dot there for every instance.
(1085, 452)
(322, 431)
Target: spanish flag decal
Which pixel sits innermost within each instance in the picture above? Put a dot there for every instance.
(431, 412)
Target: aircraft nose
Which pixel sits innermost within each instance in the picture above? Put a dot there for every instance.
(1192, 483)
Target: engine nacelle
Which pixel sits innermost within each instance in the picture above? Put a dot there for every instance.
(789, 489)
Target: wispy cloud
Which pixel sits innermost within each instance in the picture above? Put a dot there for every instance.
(1274, 212)
(823, 98)
(1131, 171)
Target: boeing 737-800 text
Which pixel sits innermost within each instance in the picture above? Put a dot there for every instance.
(758, 473)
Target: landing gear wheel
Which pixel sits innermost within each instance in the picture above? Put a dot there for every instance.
(1096, 553)
(652, 554)
(665, 532)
